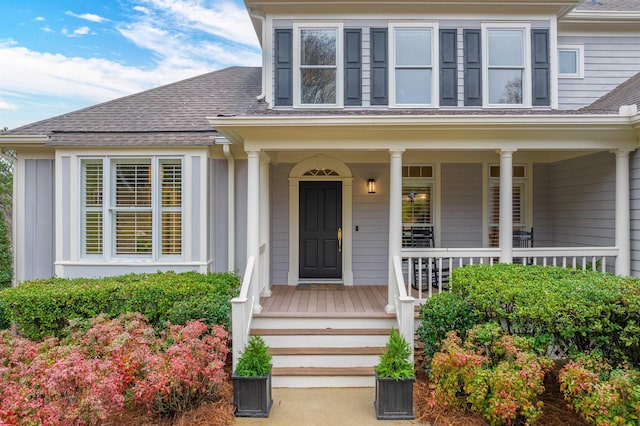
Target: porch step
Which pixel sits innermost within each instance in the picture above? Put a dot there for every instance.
(324, 351)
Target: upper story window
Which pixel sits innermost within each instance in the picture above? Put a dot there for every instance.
(414, 77)
(318, 59)
(132, 208)
(507, 71)
(571, 61)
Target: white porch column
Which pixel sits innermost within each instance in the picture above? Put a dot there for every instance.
(395, 220)
(253, 223)
(265, 289)
(506, 205)
(623, 226)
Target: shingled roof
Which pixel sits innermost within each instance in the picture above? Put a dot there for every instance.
(628, 93)
(169, 115)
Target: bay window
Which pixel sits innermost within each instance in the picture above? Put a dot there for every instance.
(414, 73)
(131, 208)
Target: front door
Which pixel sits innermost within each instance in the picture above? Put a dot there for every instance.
(321, 230)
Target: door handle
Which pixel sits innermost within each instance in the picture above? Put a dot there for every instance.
(339, 239)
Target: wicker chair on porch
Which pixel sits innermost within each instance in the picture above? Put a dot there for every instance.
(423, 237)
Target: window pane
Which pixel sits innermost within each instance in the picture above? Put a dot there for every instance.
(133, 184)
(171, 233)
(505, 86)
(92, 184)
(318, 47)
(413, 47)
(92, 205)
(318, 86)
(133, 232)
(413, 86)
(506, 48)
(416, 203)
(568, 60)
(171, 184)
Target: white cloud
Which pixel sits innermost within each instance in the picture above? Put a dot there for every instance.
(142, 9)
(6, 106)
(82, 31)
(46, 29)
(39, 19)
(92, 17)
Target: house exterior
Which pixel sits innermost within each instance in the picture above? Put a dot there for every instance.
(367, 120)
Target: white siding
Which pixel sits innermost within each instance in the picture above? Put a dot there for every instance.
(608, 61)
(635, 213)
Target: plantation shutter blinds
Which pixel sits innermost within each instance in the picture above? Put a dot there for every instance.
(541, 73)
(416, 204)
(171, 207)
(133, 216)
(92, 205)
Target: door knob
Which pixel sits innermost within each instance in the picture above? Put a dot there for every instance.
(339, 239)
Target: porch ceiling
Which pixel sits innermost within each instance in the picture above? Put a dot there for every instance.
(478, 132)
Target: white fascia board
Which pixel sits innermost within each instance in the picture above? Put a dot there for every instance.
(23, 140)
(601, 16)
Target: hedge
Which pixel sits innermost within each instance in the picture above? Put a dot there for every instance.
(578, 310)
(44, 307)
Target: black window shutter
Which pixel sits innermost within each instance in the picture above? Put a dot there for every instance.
(448, 68)
(472, 68)
(379, 67)
(284, 67)
(540, 75)
(352, 66)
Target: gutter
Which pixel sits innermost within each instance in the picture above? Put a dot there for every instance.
(263, 24)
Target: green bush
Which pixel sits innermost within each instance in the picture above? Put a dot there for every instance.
(255, 361)
(579, 310)
(211, 308)
(44, 307)
(4, 321)
(6, 259)
(395, 362)
(439, 315)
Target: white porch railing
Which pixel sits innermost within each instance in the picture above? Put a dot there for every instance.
(242, 312)
(427, 269)
(403, 303)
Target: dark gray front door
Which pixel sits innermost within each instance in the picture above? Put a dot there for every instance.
(320, 227)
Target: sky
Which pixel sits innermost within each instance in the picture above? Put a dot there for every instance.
(58, 56)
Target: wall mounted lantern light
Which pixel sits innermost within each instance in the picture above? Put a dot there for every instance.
(371, 186)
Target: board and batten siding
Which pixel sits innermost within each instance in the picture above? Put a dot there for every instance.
(583, 201)
(39, 220)
(279, 205)
(634, 189)
(371, 217)
(218, 216)
(241, 215)
(461, 205)
(542, 214)
(608, 62)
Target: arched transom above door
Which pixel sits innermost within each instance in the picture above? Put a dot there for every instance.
(320, 166)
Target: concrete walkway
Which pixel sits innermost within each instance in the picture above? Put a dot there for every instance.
(323, 407)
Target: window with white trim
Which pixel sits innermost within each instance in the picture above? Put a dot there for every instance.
(414, 66)
(318, 59)
(571, 61)
(132, 207)
(518, 201)
(417, 199)
(507, 69)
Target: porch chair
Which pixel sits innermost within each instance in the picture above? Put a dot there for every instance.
(523, 239)
(423, 238)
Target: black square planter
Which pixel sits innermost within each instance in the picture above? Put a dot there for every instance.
(252, 396)
(394, 399)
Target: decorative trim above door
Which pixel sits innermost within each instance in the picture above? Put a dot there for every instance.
(320, 167)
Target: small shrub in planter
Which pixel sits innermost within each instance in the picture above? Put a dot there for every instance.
(493, 374)
(252, 380)
(394, 380)
(601, 394)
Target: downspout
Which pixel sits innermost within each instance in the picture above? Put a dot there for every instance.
(231, 203)
(263, 25)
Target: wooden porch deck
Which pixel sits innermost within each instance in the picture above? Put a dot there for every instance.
(350, 301)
